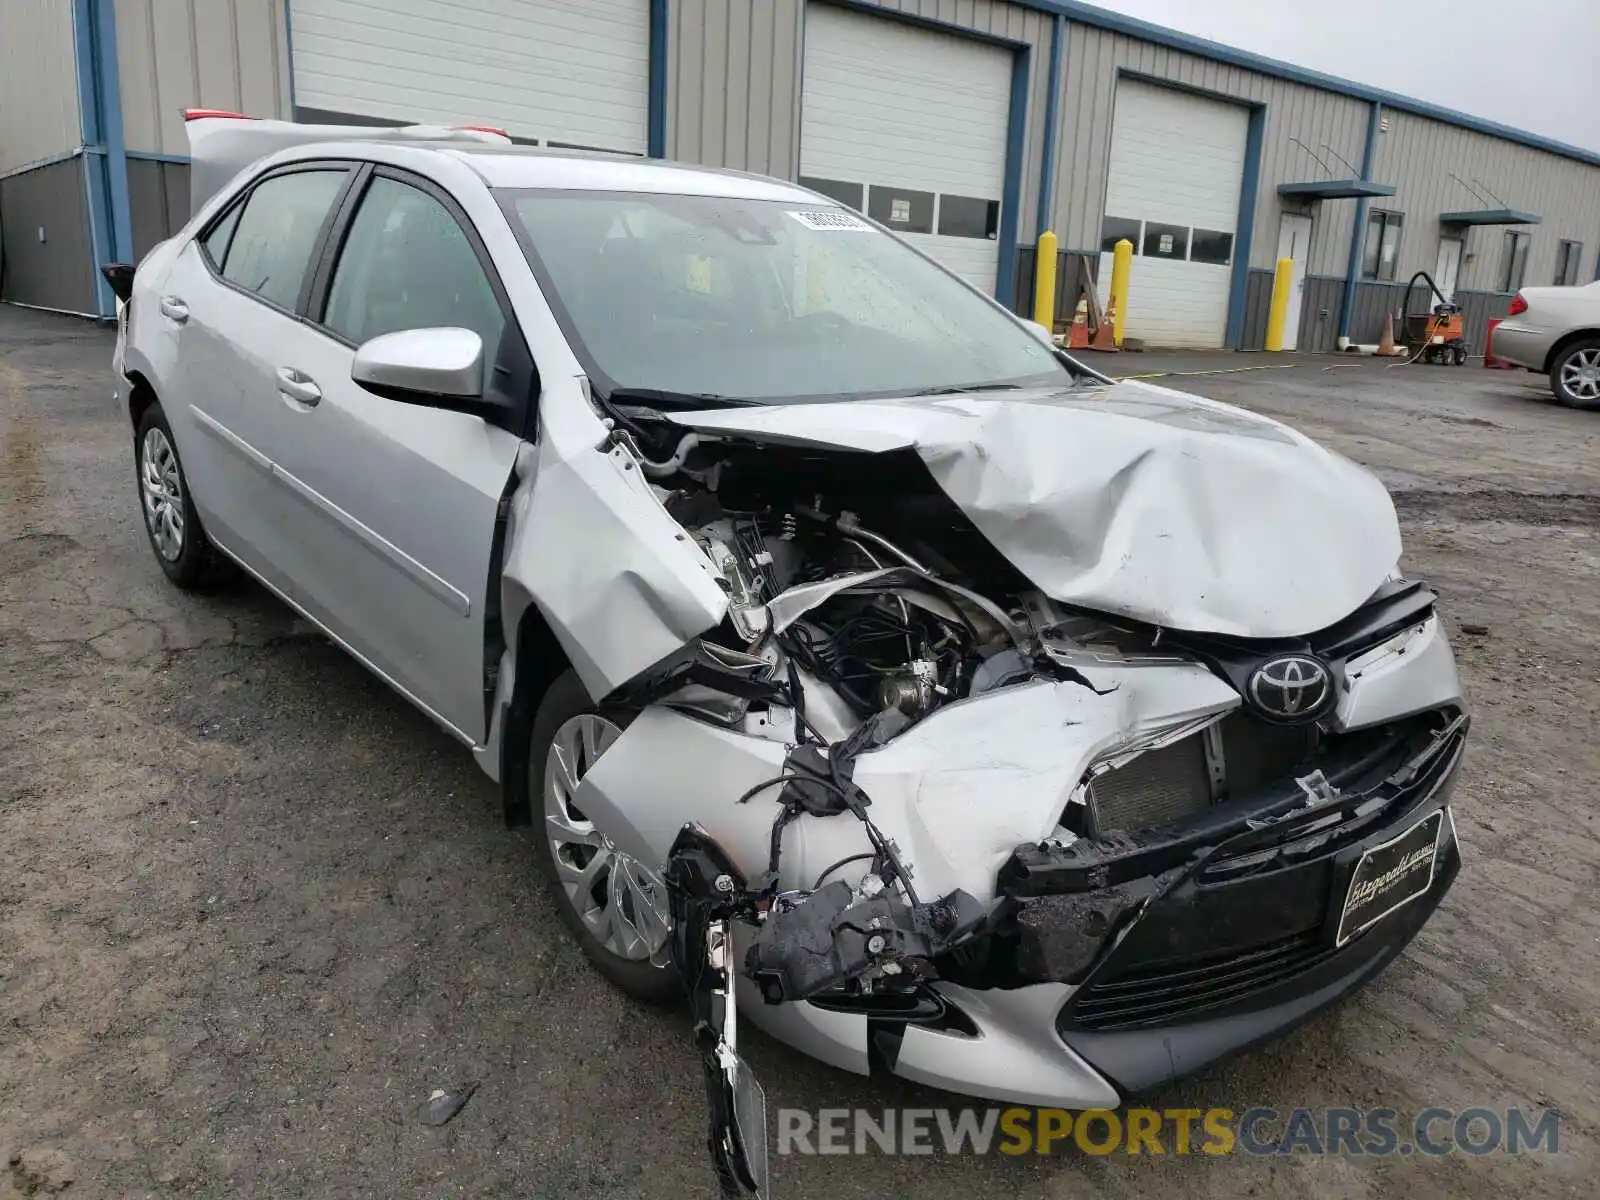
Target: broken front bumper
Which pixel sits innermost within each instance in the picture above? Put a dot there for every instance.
(1205, 956)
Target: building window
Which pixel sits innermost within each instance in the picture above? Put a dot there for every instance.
(850, 194)
(1568, 256)
(1382, 252)
(1211, 246)
(1514, 261)
(1115, 229)
(967, 216)
(1166, 241)
(901, 209)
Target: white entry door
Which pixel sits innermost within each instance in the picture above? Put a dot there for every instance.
(1294, 242)
(1448, 268)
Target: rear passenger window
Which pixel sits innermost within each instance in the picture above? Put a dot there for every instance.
(271, 246)
(407, 264)
(216, 242)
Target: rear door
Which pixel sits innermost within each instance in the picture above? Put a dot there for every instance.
(230, 303)
(397, 503)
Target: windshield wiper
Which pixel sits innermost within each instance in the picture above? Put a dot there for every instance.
(682, 401)
(959, 389)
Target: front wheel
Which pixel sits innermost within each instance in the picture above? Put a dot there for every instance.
(615, 905)
(1575, 375)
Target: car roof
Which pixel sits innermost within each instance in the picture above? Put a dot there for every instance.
(222, 145)
(537, 167)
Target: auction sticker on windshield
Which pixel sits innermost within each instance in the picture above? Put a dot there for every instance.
(831, 221)
(1391, 875)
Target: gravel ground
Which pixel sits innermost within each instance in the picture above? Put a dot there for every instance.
(254, 909)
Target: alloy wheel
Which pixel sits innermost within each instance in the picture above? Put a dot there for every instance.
(1580, 374)
(161, 481)
(619, 900)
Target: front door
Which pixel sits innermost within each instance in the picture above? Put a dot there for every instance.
(1294, 242)
(398, 502)
(231, 300)
(1448, 268)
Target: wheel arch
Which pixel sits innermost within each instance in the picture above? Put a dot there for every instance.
(537, 661)
(141, 396)
(1566, 341)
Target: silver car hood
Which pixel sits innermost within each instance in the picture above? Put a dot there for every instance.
(1133, 499)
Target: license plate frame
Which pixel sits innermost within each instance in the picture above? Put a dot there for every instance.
(1400, 857)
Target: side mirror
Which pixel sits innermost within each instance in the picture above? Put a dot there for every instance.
(436, 368)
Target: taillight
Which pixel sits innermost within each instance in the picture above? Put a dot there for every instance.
(1518, 305)
(200, 114)
(483, 129)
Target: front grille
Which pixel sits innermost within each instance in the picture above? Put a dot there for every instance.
(1176, 990)
(1256, 754)
(1155, 789)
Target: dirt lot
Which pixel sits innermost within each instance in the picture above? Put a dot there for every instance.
(254, 909)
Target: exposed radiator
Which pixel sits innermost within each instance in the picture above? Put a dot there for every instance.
(1156, 788)
(1166, 785)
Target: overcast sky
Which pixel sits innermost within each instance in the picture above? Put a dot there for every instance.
(1533, 64)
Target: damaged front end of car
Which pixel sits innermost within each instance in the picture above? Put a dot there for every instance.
(992, 839)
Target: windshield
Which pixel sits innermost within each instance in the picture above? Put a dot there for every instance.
(760, 300)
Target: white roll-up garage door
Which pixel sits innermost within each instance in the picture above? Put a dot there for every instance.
(567, 72)
(909, 125)
(1177, 161)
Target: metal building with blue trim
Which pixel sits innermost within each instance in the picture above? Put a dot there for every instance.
(970, 127)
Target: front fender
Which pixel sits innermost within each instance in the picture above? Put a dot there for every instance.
(618, 581)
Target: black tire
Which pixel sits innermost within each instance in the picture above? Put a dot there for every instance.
(1590, 348)
(565, 701)
(196, 565)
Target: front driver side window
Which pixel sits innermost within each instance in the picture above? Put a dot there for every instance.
(407, 264)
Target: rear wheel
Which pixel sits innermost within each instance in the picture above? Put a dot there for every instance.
(1575, 374)
(615, 905)
(181, 547)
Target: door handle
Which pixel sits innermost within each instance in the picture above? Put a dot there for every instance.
(298, 386)
(174, 308)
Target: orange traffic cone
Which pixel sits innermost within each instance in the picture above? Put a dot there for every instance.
(1386, 342)
(1078, 336)
(1105, 334)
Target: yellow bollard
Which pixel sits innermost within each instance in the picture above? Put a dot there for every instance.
(1121, 268)
(1044, 281)
(1278, 314)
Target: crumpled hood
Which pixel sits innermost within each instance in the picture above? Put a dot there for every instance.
(1133, 499)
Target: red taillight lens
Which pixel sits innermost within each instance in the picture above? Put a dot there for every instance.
(1518, 305)
(199, 114)
(483, 129)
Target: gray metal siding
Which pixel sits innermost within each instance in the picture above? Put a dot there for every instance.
(734, 80)
(733, 84)
(1093, 61)
(1257, 304)
(1418, 155)
(39, 116)
(1319, 313)
(57, 272)
(158, 198)
(227, 54)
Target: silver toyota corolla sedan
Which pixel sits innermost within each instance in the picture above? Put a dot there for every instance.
(1555, 331)
(979, 720)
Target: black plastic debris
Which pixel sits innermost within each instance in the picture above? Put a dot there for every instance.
(442, 1107)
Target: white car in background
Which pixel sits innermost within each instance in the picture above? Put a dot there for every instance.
(861, 659)
(1555, 331)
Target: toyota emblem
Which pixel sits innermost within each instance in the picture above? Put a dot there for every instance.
(1291, 688)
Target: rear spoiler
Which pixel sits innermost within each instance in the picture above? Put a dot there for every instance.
(221, 144)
